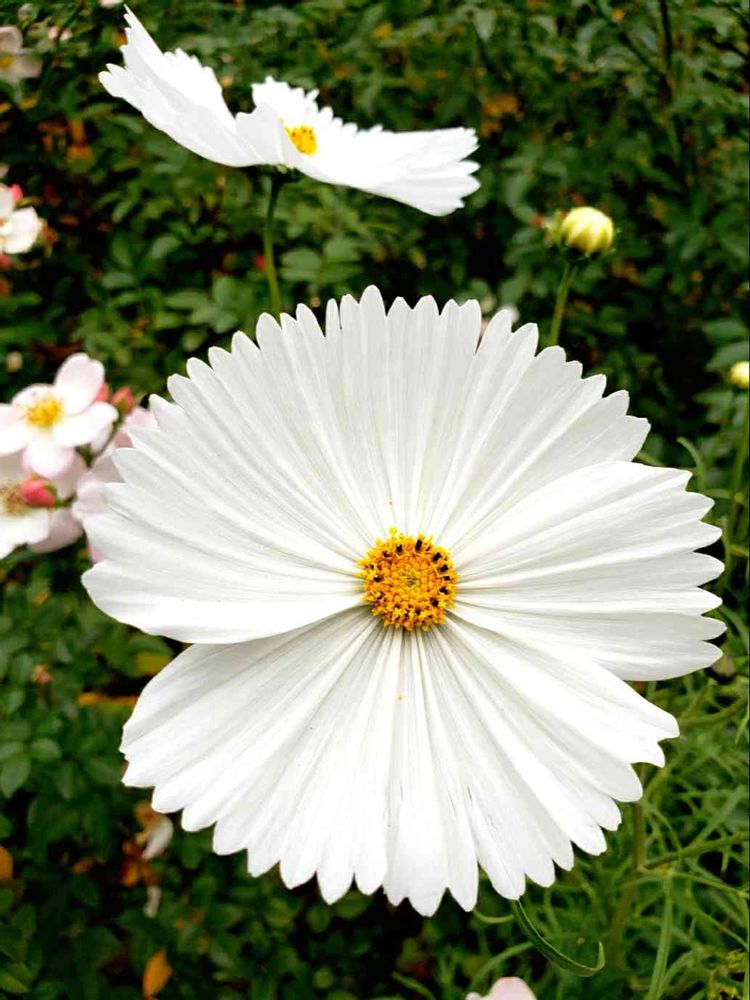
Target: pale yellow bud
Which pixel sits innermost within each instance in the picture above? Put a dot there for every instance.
(739, 374)
(587, 230)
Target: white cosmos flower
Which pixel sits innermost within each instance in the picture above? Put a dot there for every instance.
(180, 96)
(543, 567)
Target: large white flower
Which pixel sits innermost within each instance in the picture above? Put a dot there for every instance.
(180, 96)
(300, 495)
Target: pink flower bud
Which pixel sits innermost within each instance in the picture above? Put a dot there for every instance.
(5, 262)
(38, 492)
(124, 400)
(16, 192)
(103, 395)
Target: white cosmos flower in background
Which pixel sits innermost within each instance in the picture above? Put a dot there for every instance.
(178, 95)
(541, 567)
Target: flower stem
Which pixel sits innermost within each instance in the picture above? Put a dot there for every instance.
(740, 457)
(270, 263)
(562, 297)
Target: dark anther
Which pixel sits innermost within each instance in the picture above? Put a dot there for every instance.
(434, 602)
(443, 590)
(444, 568)
(399, 548)
(418, 545)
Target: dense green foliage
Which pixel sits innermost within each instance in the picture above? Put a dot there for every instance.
(153, 254)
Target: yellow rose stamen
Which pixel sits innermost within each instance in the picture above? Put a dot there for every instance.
(12, 501)
(410, 582)
(44, 412)
(304, 139)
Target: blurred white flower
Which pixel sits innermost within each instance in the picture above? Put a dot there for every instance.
(48, 422)
(507, 988)
(180, 96)
(156, 831)
(417, 571)
(19, 227)
(15, 62)
(22, 523)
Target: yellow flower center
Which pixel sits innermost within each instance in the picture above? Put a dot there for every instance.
(44, 412)
(6, 60)
(410, 582)
(12, 501)
(304, 138)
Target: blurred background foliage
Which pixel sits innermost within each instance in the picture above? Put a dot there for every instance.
(152, 254)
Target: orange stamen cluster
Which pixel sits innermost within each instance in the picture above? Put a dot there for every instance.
(304, 138)
(410, 582)
(44, 412)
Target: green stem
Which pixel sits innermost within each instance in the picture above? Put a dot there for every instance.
(622, 910)
(701, 847)
(740, 457)
(277, 181)
(562, 297)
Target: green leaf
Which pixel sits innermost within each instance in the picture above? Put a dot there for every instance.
(13, 773)
(563, 962)
(15, 979)
(45, 750)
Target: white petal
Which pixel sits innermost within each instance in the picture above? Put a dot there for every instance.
(83, 428)
(178, 95)
(543, 746)
(350, 751)
(7, 201)
(11, 39)
(599, 562)
(15, 433)
(47, 458)
(63, 530)
(24, 226)
(78, 381)
(283, 743)
(530, 421)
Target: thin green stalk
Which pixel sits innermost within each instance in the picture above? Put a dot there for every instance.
(622, 910)
(277, 181)
(561, 299)
(740, 457)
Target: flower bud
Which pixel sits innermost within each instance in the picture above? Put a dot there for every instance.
(587, 230)
(739, 374)
(15, 192)
(103, 394)
(124, 400)
(38, 492)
